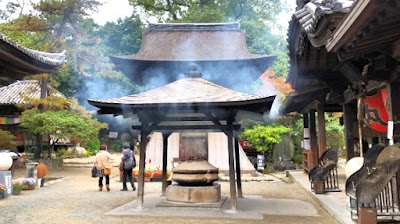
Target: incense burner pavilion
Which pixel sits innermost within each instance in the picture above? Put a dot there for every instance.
(197, 66)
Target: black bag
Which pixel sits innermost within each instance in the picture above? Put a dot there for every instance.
(94, 171)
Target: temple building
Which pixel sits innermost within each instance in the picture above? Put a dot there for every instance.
(344, 57)
(194, 113)
(16, 62)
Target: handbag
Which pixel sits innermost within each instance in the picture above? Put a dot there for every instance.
(94, 171)
(107, 170)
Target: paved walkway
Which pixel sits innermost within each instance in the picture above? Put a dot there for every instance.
(75, 199)
(335, 203)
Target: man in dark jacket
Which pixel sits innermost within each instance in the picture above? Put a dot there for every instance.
(129, 163)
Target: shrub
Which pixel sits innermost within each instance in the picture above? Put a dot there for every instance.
(17, 186)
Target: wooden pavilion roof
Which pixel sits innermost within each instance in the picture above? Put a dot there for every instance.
(169, 48)
(186, 93)
(16, 61)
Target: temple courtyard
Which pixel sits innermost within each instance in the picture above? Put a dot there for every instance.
(74, 198)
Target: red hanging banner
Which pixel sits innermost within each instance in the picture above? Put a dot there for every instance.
(376, 115)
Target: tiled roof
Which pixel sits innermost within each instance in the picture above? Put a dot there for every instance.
(185, 91)
(310, 14)
(54, 59)
(15, 93)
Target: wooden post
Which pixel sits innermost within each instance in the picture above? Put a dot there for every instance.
(229, 133)
(360, 118)
(238, 172)
(313, 140)
(389, 104)
(321, 129)
(348, 119)
(306, 143)
(165, 161)
(143, 143)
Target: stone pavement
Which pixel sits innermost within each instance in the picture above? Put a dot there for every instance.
(75, 199)
(335, 203)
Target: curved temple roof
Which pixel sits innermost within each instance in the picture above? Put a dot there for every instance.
(193, 42)
(15, 93)
(310, 14)
(187, 92)
(19, 60)
(168, 48)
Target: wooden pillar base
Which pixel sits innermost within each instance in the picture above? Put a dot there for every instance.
(367, 216)
(319, 187)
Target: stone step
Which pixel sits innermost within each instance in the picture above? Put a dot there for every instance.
(83, 165)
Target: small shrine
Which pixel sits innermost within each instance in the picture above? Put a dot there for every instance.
(200, 62)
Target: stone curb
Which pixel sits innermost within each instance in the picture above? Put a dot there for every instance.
(340, 214)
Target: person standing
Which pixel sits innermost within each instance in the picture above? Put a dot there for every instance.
(103, 158)
(129, 162)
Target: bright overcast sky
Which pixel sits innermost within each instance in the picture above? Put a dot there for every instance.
(112, 10)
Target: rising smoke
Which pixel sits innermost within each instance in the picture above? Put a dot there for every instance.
(234, 74)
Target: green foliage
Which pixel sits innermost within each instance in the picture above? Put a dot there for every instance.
(334, 131)
(7, 140)
(17, 186)
(121, 38)
(92, 147)
(116, 145)
(61, 151)
(61, 124)
(263, 137)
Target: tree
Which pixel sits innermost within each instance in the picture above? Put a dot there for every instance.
(7, 140)
(334, 131)
(121, 38)
(63, 124)
(263, 137)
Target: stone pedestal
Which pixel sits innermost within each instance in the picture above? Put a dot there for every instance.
(31, 170)
(188, 194)
(6, 179)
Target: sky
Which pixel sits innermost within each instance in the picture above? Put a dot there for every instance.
(111, 10)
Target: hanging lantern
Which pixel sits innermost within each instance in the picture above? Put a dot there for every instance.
(376, 115)
(5, 161)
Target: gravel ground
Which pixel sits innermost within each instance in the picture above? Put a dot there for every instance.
(76, 199)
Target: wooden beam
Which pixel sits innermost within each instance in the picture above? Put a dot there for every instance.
(190, 127)
(238, 171)
(165, 161)
(232, 183)
(313, 140)
(389, 105)
(349, 116)
(306, 143)
(349, 71)
(354, 21)
(142, 155)
(321, 129)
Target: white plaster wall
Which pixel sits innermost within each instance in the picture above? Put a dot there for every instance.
(217, 151)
